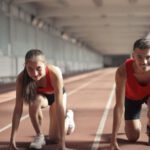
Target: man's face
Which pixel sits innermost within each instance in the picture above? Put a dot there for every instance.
(142, 59)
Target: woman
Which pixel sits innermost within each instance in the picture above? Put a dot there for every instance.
(40, 85)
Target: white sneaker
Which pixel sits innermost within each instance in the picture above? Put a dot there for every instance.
(71, 125)
(38, 142)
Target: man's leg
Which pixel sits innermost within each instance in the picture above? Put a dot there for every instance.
(148, 120)
(132, 119)
(133, 129)
(148, 112)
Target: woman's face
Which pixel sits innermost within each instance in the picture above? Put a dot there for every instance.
(142, 59)
(35, 68)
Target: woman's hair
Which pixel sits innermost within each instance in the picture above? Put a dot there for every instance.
(28, 84)
(142, 44)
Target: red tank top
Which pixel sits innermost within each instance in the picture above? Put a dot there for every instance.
(49, 87)
(134, 90)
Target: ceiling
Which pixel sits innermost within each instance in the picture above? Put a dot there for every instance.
(107, 26)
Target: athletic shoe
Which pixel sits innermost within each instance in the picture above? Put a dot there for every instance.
(38, 142)
(71, 125)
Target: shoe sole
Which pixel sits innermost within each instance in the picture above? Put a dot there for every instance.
(44, 143)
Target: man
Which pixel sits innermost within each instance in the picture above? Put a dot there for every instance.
(132, 90)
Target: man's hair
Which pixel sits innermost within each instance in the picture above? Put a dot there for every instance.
(142, 44)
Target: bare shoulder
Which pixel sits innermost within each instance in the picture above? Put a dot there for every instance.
(56, 76)
(55, 71)
(121, 72)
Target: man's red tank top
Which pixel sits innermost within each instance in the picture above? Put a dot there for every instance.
(134, 90)
(49, 87)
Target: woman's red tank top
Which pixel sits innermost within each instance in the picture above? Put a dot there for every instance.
(49, 87)
(134, 90)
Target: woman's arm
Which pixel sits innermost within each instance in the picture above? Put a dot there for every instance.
(57, 82)
(120, 79)
(17, 113)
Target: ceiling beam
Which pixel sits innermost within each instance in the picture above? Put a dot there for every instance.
(25, 1)
(100, 37)
(98, 3)
(109, 29)
(102, 22)
(63, 2)
(135, 10)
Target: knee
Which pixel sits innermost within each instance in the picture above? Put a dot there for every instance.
(134, 135)
(35, 105)
(133, 129)
(133, 138)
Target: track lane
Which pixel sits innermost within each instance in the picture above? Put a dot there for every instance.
(87, 97)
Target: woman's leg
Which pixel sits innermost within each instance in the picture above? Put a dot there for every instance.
(36, 117)
(35, 112)
(133, 129)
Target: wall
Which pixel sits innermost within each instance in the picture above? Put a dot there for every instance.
(17, 36)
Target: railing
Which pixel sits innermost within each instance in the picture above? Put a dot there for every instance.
(7, 79)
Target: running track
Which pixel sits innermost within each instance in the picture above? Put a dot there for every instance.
(91, 96)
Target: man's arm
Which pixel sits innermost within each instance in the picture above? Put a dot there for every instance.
(120, 79)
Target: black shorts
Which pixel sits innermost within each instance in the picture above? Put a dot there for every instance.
(133, 108)
(51, 97)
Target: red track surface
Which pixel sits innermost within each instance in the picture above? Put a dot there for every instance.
(89, 95)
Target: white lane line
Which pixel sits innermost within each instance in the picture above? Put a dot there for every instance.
(9, 96)
(71, 79)
(9, 125)
(7, 100)
(82, 76)
(100, 129)
(81, 87)
(69, 93)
